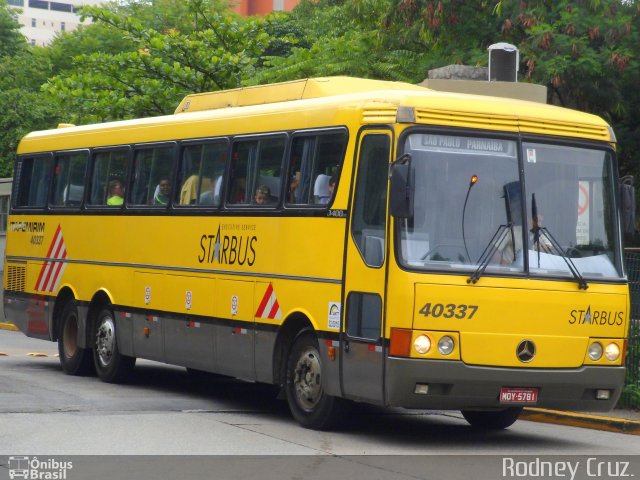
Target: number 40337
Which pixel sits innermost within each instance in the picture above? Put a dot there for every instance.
(448, 310)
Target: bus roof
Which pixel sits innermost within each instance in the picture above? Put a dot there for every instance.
(287, 91)
(325, 102)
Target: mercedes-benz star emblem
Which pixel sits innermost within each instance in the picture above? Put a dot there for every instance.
(526, 351)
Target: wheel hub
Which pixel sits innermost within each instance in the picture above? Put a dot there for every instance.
(105, 340)
(307, 379)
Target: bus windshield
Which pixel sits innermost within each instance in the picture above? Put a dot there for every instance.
(470, 203)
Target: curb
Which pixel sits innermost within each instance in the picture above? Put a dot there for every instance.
(582, 420)
(8, 326)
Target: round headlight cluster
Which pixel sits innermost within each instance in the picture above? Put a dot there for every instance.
(446, 345)
(422, 344)
(611, 351)
(595, 351)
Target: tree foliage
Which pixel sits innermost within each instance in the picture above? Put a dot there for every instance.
(22, 72)
(584, 51)
(140, 57)
(11, 40)
(213, 50)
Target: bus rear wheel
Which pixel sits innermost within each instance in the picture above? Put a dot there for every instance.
(308, 402)
(492, 420)
(111, 365)
(73, 359)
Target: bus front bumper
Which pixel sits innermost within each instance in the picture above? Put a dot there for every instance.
(453, 385)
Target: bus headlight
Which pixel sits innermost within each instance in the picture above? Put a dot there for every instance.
(422, 344)
(595, 351)
(445, 345)
(612, 352)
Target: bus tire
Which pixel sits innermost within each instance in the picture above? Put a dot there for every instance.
(73, 359)
(111, 365)
(492, 420)
(309, 404)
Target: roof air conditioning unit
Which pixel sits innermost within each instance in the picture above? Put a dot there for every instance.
(504, 61)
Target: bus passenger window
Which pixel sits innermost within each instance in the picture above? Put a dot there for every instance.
(256, 170)
(152, 176)
(31, 182)
(109, 170)
(201, 174)
(68, 179)
(214, 159)
(314, 168)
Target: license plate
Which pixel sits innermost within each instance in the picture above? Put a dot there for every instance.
(523, 396)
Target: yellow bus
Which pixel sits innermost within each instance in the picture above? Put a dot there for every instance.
(349, 240)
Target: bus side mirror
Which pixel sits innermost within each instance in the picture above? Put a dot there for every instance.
(627, 205)
(401, 189)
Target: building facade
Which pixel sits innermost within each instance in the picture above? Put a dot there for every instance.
(263, 7)
(41, 20)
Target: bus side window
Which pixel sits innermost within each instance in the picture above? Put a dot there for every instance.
(152, 177)
(369, 212)
(68, 179)
(200, 173)
(256, 169)
(31, 182)
(108, 167)
(268, 172)
(214, 159)
(364, 315)
(314, 168)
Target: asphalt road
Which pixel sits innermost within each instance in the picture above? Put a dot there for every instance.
(164, 411)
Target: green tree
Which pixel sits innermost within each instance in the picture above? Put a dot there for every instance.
(85, 40)
(338, 37)
(153, 76)
(23, 69)
(24, 107)
(11, 40)
(584, 51)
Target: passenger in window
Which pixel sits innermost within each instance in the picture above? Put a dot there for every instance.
(263, 196)
(212, 197)
(116, 193)
(189, 190)
(331, 185)
(293, 187)
(163, 192)
(510, 247)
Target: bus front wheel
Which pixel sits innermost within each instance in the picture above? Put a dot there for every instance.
(308, 402)
(111, 365)
(73, 359)
(492, 420)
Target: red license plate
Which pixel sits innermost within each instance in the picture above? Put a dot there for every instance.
(522, 396)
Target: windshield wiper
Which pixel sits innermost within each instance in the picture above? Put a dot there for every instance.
(582, 283)
(537, 230)
(490, 250)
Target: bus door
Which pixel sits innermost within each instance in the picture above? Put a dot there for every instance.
(362, 335)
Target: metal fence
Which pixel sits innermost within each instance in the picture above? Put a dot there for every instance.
(631, 394)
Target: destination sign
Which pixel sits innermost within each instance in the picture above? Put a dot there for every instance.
(463, 145)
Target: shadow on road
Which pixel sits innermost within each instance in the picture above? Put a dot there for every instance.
(155, 384)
